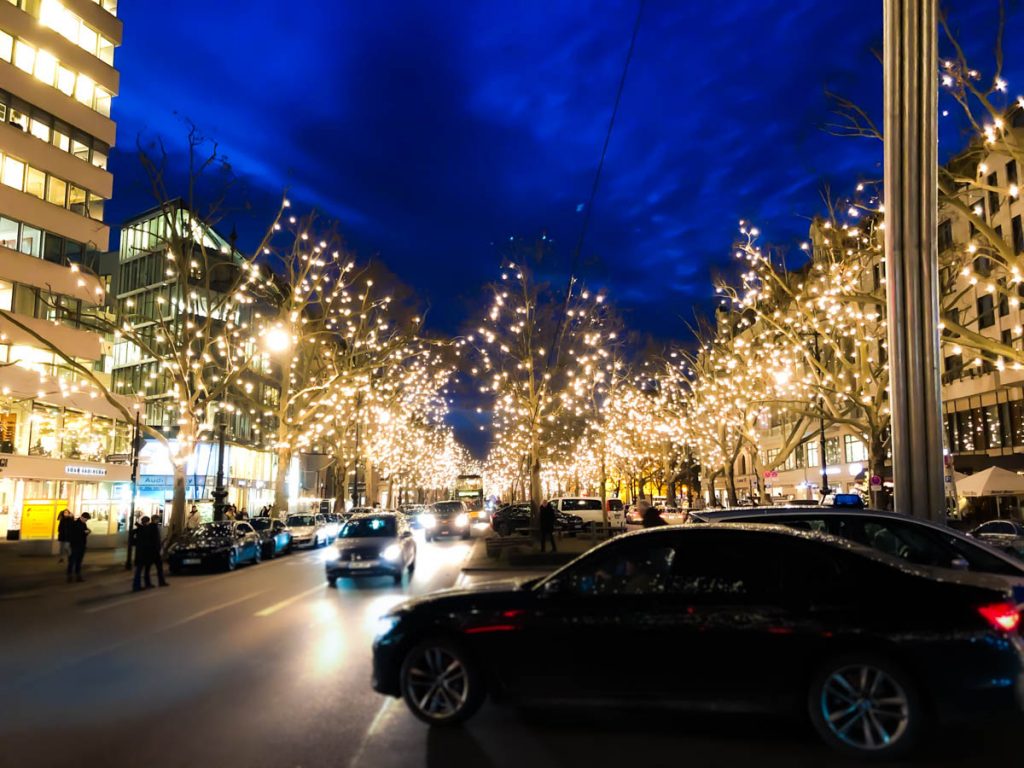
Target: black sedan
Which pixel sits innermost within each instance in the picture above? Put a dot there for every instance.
(516, 517)
(759, 617)
(275, 538)
(221, 545)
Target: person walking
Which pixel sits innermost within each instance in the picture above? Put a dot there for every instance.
(156, 544)
(77, 534)
(650, 515)
(142, 541)
(192, 521)
(64, 522)
(547, 526)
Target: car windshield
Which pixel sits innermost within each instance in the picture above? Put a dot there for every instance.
(369, 527)
(448, 507)
(215, 529)
(260, 523)
(301, 520)
(573, 505)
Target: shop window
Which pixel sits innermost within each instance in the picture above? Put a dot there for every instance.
(44, 431)
(854, 449)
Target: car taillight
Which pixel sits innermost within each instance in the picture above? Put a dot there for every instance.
(1002, 616)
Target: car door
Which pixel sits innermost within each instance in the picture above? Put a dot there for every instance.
(247, 540)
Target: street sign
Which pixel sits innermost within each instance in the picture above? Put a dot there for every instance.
(770, 474)
(876, 483)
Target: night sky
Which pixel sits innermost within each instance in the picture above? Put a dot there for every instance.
(435, 131)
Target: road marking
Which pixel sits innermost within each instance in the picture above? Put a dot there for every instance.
(288, 601)
(213, 608)
(123, 601)
(375, 724)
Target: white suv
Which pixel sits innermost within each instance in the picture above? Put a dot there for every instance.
(589, 508)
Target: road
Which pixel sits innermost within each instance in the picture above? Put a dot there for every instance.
(267, 666)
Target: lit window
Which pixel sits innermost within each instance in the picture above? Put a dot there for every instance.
(35, 182)
(19, 119)
(40, 130)
(51, 13)
(99, 158)
(102, 104)
(84, 88)
(24, 57)
(106, 51)
(6, 46)
(14, 173)
(61, 140)
(57, 192)
(46, 67)
(68, 26)
(79, 148)
(87, 39)
(65, 80)
(76, 199)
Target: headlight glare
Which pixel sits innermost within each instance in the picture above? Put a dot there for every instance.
(391, 552)
(462, 520)
(427, 520)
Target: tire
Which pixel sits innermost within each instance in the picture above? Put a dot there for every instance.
(866, 705)
(504, 529)
(332, 581)
(460, 697)
(232, 561)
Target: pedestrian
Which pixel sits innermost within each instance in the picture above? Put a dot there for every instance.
(547, 526)
(229, 513)
(650, 516)
(156, 544)
(192, 521)
(78, 533)
(141, 540)
(64, 522)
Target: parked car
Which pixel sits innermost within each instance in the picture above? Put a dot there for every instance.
(516, 518)
(615, 505)
(378, 544)
(999, 528)
(307, 530)
(1011, 545)
(589, 508)
(446, 518)
(674, 515)
(869, 646)
(275, 538)
(332, 525)
(909, 538)
(412, 513)
(225, 545)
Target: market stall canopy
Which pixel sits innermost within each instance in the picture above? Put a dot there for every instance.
(991, 482)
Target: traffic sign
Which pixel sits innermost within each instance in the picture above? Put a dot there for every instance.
(876, 483)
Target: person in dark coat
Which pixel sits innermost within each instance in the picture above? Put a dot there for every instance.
(77, 534)
(63, 525)
(143, 554)
(651, 517)
(547, 525)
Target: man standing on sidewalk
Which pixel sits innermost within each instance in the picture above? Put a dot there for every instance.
(547, 525)
(192, 521)
(78, 533)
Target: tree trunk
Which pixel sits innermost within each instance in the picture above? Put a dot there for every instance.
(730, 483)
(284, 459)
(604, 491)
(176, 522)
(535, 491)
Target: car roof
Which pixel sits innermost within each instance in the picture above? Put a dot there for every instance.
(371, 515)
(711, 515)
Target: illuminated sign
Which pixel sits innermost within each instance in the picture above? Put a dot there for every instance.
(71, 469)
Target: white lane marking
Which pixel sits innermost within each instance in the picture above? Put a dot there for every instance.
(289, 600)
(375, 725)
(212, 608)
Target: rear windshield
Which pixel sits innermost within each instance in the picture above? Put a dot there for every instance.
(301, 520)
(573, 505)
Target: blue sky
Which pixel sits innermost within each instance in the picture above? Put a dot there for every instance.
(436, 130)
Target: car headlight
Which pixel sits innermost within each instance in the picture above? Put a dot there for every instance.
(462, 520)
(391, 552)
(427, 520)
(331, 554)
(385, 625)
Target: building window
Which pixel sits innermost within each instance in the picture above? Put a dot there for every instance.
(1011, 172)
(986, 311)
(854, 449)
(953, 365)
(13, 173)
(983, 265)
(35, 182)
(993, 196)
(945, 235)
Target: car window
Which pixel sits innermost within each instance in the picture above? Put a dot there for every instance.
(369, 527)
(300, 520)
(728, 567)
(575, 505)
(624, 569)
(243, 528)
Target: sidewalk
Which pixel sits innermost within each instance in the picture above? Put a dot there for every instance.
(525, 554)
(24, 569)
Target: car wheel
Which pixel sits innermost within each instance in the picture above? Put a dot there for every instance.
(232, 561)
(440, 684)
(505, 529)
(866, 706)
(332, 581)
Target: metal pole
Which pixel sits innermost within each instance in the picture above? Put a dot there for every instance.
(825, 490)
(911, 200)
(220, 494)
(135, 482)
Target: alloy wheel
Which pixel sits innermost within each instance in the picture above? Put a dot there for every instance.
(437, 683)
(865, 707)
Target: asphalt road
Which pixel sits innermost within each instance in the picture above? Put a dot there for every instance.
(267, 666)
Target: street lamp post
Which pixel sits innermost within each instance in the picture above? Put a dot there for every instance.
(135, 485)
(220, 492)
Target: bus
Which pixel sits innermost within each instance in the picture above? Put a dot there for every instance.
(470, 489)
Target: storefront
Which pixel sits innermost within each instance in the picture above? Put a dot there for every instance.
(35, 489)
